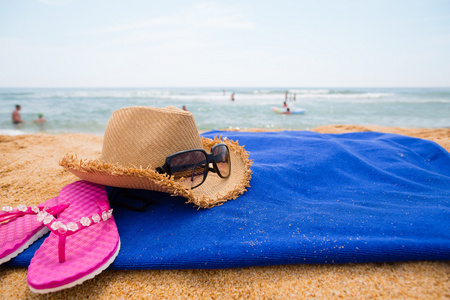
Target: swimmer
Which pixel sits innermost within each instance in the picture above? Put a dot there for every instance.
(40, 120)
(16, 118)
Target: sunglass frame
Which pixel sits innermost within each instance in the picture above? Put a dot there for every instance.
(166, 168)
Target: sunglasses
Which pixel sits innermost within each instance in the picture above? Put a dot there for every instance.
(192, 166)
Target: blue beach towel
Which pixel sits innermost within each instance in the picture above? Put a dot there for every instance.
(314, 198)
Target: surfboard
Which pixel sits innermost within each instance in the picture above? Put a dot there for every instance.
(293, 111)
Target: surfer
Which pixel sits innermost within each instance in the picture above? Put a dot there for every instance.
(232, 96)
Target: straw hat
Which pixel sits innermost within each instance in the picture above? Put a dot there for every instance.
(138, 139)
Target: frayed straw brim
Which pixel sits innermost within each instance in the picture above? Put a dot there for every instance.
(214, 191)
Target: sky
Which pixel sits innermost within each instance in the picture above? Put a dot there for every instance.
(233, 43)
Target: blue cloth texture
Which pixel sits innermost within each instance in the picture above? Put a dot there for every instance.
(314, 198)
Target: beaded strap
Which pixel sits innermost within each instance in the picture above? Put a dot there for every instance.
(72, 227)
(64, 230)
(8, 213)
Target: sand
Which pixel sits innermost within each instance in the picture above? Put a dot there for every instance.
(30, 174)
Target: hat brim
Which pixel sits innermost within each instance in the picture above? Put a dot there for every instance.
(214, 191)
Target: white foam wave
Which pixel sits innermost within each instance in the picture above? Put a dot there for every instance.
(11, 132)
(156, 93)
(347, 96)
(102, 94)
(309, 91)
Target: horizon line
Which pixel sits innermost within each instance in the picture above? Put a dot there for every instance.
(217, 87)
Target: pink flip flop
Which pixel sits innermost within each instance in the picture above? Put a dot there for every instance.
(19, 228)
(83, 241)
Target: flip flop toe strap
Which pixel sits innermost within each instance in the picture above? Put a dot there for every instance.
(65, 230)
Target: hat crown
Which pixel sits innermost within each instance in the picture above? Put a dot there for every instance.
(145, 136)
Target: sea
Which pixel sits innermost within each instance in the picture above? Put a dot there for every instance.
(87, 110)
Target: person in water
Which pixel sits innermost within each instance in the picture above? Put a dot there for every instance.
(285, 104)
(232, 96)
(287, 112)
(16, 118)
(40, 120)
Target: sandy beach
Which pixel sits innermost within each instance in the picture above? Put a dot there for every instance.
(30, 174)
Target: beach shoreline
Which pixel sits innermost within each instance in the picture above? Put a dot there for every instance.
(30, 173)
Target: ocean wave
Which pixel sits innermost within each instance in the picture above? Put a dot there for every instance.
(347, 95)
(11, 132)
(88, 109)
(437, 94)
(263, 91)
(324, 92)
(7, 95)
(346, 92)
(101, 94)
(251, 96)
(179, 93)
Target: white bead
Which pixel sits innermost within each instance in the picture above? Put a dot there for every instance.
(41, 216)
(85, 221)
(7, 208)
(96, 218)
(62, 228)
(22, 208)
(48, 219)
(56, 225)
(72, 226)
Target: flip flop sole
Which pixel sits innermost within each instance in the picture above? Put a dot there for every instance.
(82, 279)
(18, 234)
(87, 252)
(27, 244)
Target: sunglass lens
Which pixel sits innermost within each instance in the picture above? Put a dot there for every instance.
(222, 159)
(191, 166)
